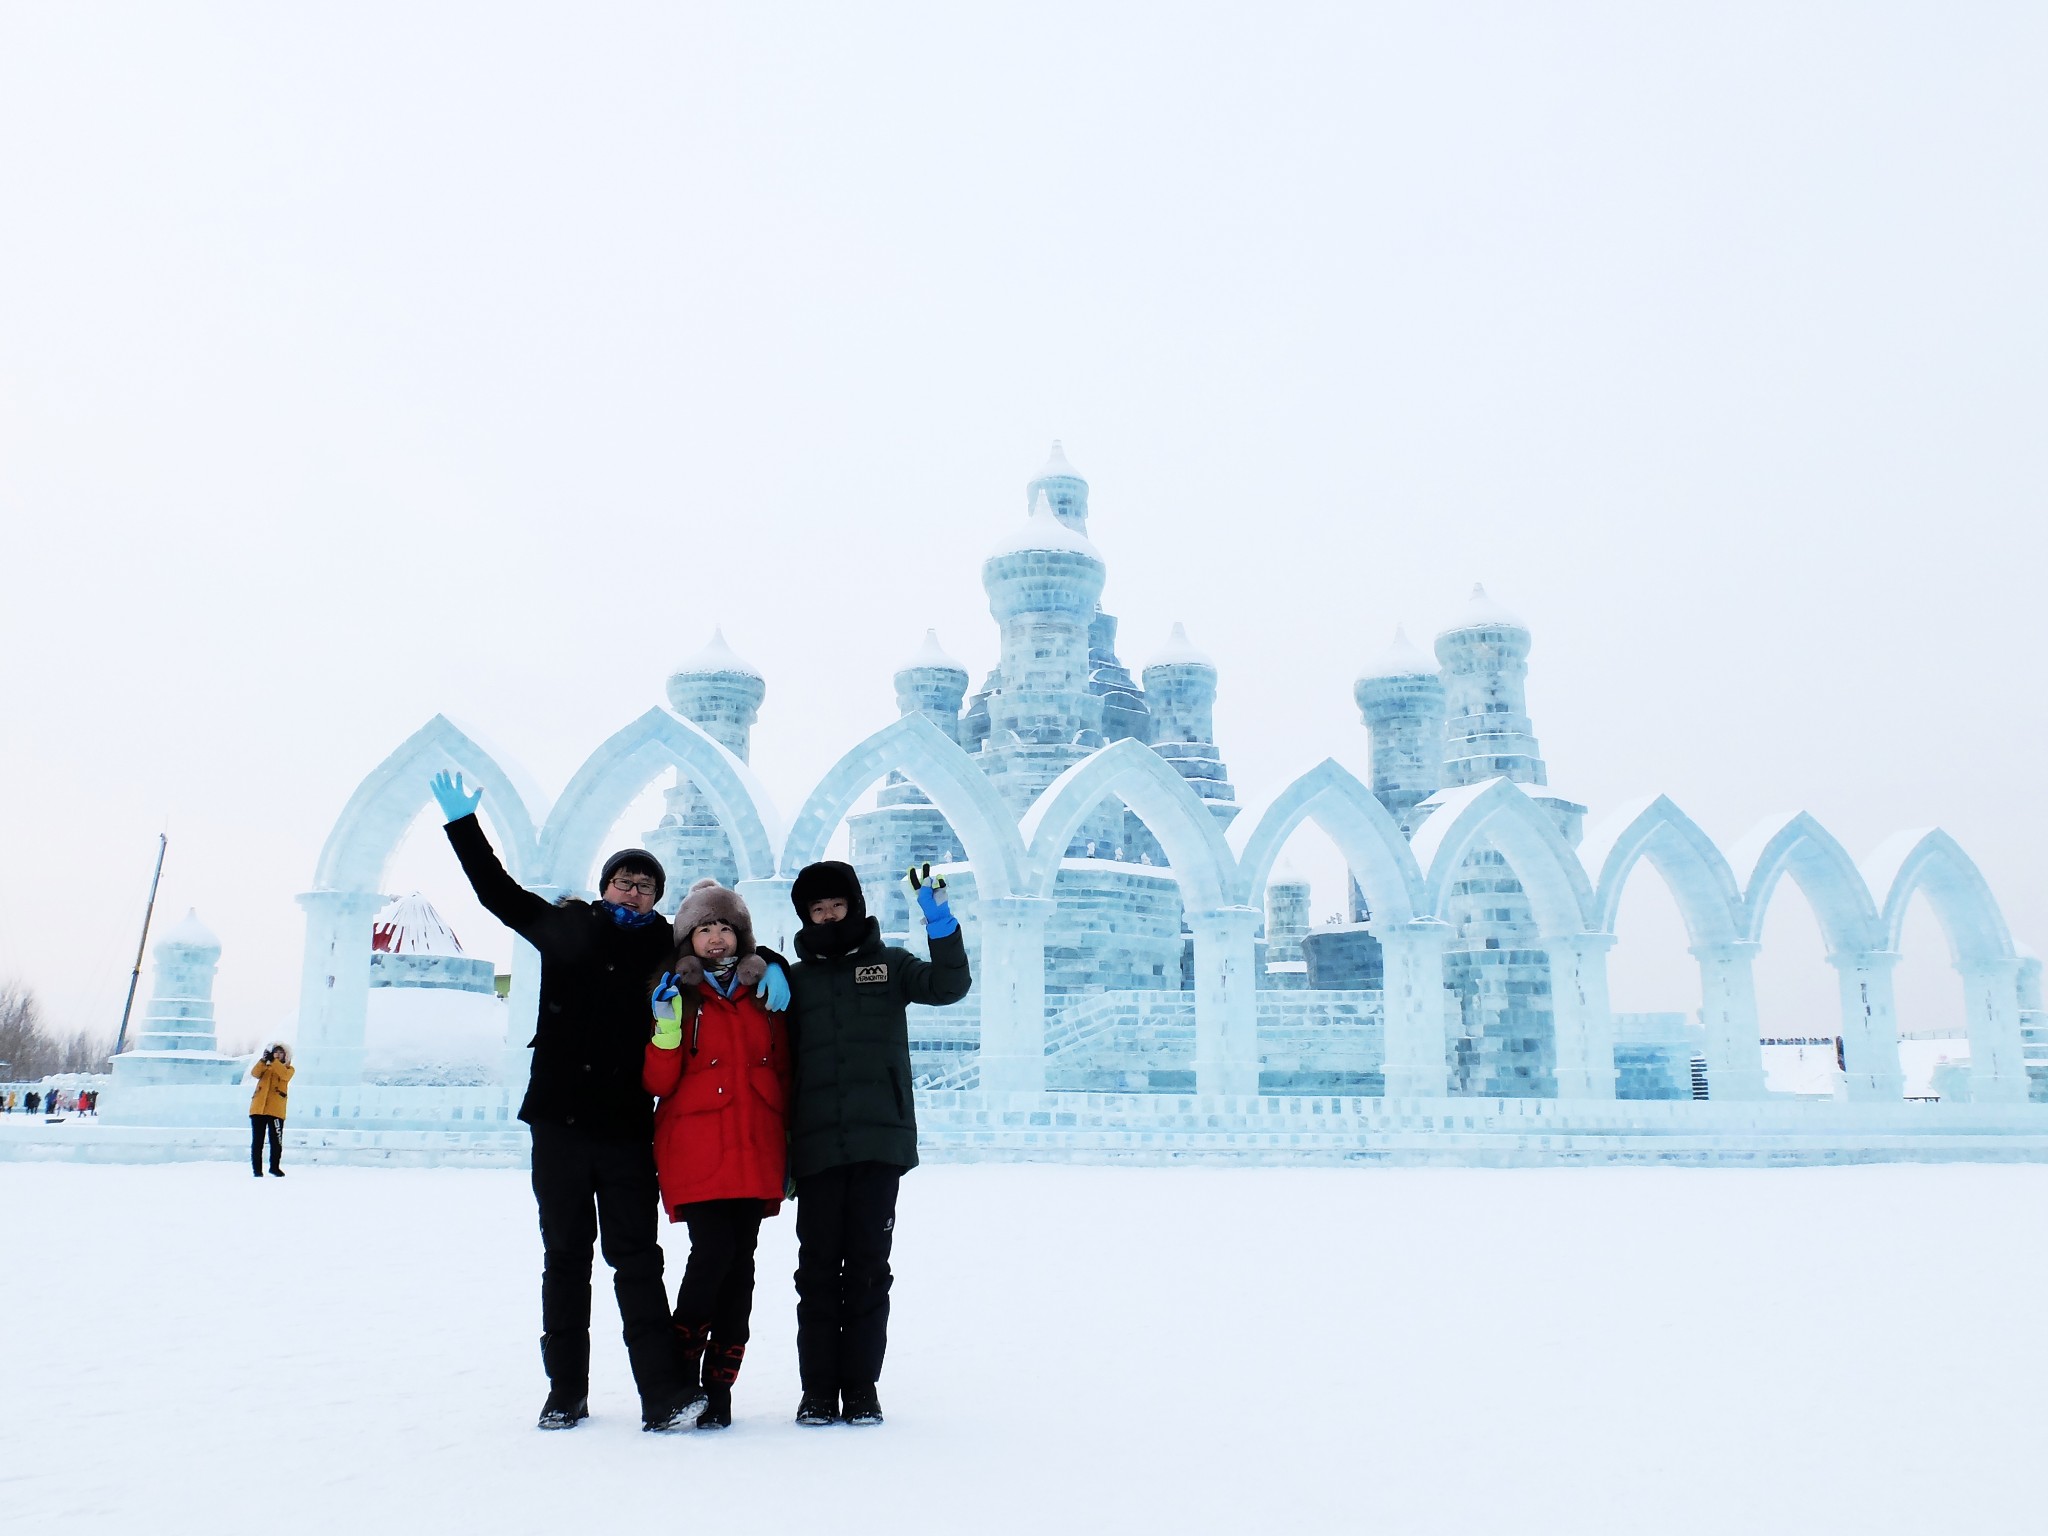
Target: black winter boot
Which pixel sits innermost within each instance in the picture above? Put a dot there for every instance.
(818, 1408)
(562, 1412)
(862, 1404)
(721, 1370)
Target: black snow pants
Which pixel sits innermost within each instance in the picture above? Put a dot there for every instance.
(718, 1281)
(589, 1190)
(261, 1126)
(845, 1221)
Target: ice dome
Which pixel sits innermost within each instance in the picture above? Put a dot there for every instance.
(411, 926)
(1401, 659)
(1057, 467)
(1180, 651)
(191, 933)
(931, 657)
(1042, 530)
(1482, 612)
(717, 657)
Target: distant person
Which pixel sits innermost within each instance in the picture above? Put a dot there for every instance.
(592, 1121)
(33, 1101)
(853, 1123)
(273, 1074)
(718, 1066)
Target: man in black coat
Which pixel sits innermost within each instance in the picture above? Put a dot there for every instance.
(592, 1122)
(852, 1123)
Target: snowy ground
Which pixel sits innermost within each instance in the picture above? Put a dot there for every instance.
(348, 1349)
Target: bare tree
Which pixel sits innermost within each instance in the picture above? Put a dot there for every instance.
(25, 1045)
(87, 1052)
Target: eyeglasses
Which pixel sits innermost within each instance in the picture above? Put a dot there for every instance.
(634, 883)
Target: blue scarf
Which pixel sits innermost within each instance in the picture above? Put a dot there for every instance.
(626, 917)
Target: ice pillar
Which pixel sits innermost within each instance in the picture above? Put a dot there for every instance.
(1226, 1006)
(1012, 988)
(1991, 994)
(334, 984)
(1870, 1024)
(774, 918)
(1735, 1054)
(1584, 1023)
(1413, 955)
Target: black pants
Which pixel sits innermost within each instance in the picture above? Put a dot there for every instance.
(845, 1220)
(718, 1281)
(590, 1190)
(261, 1126)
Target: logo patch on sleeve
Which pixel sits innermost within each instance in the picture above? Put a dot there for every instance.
(863, 974)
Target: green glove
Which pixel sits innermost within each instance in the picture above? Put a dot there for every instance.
(668, 1021)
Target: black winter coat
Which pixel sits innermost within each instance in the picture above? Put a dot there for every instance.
(850, 1042)
(595, 981)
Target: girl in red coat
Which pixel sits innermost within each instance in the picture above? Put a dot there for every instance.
(719, 1066)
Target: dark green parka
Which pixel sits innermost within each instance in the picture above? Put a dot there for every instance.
(850, 1041)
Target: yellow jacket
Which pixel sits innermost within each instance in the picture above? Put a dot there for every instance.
(273, 1078)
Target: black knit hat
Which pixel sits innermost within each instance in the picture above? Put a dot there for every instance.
(816, 882)
(636, 861)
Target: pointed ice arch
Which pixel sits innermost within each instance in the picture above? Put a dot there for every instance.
(916, 748)
(375, 819)
(1128, 770)
(1497, 814)
(1928, 861)
(613, 776)
(1692, 867)
(1834, 888)
(1334, 798)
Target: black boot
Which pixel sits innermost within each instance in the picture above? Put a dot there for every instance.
(721, 1370)
(861, 1404)
(563, 1412)
(691, 1341)
(818, 1408)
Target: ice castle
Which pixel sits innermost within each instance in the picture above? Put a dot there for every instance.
(1147, 985)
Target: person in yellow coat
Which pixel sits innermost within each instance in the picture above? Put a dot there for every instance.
(273, 1074)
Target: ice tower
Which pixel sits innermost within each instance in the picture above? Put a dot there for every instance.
(1506, 1046)
(905, 826)
(176, 1043)
(1401, 698)
(718, 692)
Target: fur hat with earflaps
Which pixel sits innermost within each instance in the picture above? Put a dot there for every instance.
(709, 902)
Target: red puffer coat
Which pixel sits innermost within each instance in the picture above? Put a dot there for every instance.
(721, 1126)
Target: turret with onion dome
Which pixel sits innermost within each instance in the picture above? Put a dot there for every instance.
(718, 691)
(174, 1042)
(1043, 582)
(933, 684)
(1401, 699)
(1062, 487)
(1485, 657)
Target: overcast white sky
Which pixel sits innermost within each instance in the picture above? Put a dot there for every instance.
(359, 362)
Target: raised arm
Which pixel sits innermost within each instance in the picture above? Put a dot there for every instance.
(945, 978)
(526, 914)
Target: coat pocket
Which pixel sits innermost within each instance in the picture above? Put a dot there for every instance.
(702, 1093)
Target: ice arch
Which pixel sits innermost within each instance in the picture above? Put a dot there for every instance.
(1411, 944)
(1981, 947)
(1497, 814)
(1701, 881)
(1226, 1012)
(622, 766)
(334, 976)
(916, 748)
(1332, 796)
(1799, 846)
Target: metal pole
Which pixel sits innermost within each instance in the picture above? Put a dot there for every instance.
(163, 841)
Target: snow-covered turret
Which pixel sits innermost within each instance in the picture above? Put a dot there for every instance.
(932, 683)
(1062, 486)
(175, 1043)
(1401, 699)
(1180, 688)
(1043, 582)
(719, 692)
(1485, 657)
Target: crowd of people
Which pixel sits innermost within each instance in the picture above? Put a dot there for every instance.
(50, 1101)
(679, 1068)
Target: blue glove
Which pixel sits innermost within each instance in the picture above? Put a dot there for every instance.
(939, 920)
(665, 990)
(774, 989)
(456, 803)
